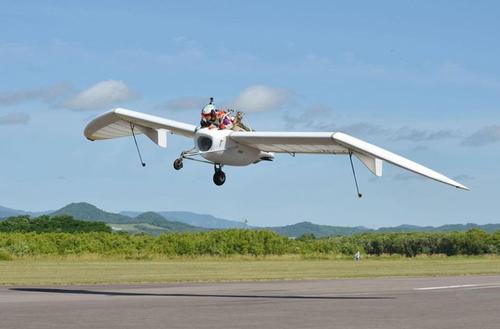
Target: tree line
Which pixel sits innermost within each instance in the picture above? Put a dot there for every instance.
(245, 242)
(59, 223)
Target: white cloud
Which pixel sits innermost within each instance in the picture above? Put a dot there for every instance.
(14, 119)
(102, 94)
(48, 94)
(322, 118)
(364, 129)
(484, 136)
(420, 135)
(308, 118)
(260, 98)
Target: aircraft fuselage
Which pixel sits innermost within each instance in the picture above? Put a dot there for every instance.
(216, 146)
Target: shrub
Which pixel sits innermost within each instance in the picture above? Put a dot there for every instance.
(246, 242)
(4, 255)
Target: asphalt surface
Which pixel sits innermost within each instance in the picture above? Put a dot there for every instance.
(445, 302)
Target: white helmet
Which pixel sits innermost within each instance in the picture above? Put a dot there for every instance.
(208, 109)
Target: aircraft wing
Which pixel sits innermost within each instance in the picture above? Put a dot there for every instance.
(370, 155)
(120, 122)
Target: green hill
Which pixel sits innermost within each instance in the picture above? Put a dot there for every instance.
(194, 219)
(9, 212)
(148, 222)
(299, 229)
(157, 223)
(444, 228)
(156, 219)
(88, 212)
(302, 228)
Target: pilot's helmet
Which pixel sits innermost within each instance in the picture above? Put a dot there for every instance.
(207, 110)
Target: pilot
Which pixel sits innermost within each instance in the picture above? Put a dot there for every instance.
(215, 118)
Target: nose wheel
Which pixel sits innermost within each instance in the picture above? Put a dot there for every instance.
(219, 175)
(178, 164)
(219, 178)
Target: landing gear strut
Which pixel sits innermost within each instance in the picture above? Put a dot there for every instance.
(219, 175)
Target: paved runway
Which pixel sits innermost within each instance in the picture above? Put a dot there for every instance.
(446, 302)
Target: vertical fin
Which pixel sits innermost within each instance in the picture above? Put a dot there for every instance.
(373, 164)
(158, 136)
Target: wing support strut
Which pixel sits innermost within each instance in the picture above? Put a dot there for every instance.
(136, 145)
(354, 174)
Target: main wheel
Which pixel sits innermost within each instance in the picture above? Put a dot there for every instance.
(219, 178)
(178, 164)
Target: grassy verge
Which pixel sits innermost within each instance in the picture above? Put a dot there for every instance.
(94, 269)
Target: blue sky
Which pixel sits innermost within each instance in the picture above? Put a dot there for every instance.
(418, 78)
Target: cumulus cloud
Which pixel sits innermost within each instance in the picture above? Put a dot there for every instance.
(102, 94)
(14, 119)
(260, 98)
(484, 136)
(364, 128)
(419, 135)
(49, 94)
(321, 118)
(187, 103)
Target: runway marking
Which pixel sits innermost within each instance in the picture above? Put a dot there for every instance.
(484, 285)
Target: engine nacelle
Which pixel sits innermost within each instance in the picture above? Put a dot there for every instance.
(216, 146)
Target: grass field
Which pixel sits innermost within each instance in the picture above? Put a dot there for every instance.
(93, 270)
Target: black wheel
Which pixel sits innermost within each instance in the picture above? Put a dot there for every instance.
(178, 164)
(219, 178)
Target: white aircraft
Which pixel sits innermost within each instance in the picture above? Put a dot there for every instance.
(242, 148)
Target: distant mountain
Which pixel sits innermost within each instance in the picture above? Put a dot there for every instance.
(86, 211)
(203, 220)
(299, 229)
(156, 219)
(302, 228)
(8, 212)
(405, 228)
(148, 222)
(181, 221)
(194, 219)
(443, 228)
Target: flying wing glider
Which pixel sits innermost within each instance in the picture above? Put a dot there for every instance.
(221, 147)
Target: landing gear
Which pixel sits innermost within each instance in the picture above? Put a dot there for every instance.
(219, 175)
(178, 164)
(219, 178)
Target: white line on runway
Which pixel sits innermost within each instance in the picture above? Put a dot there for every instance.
(486, 285)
